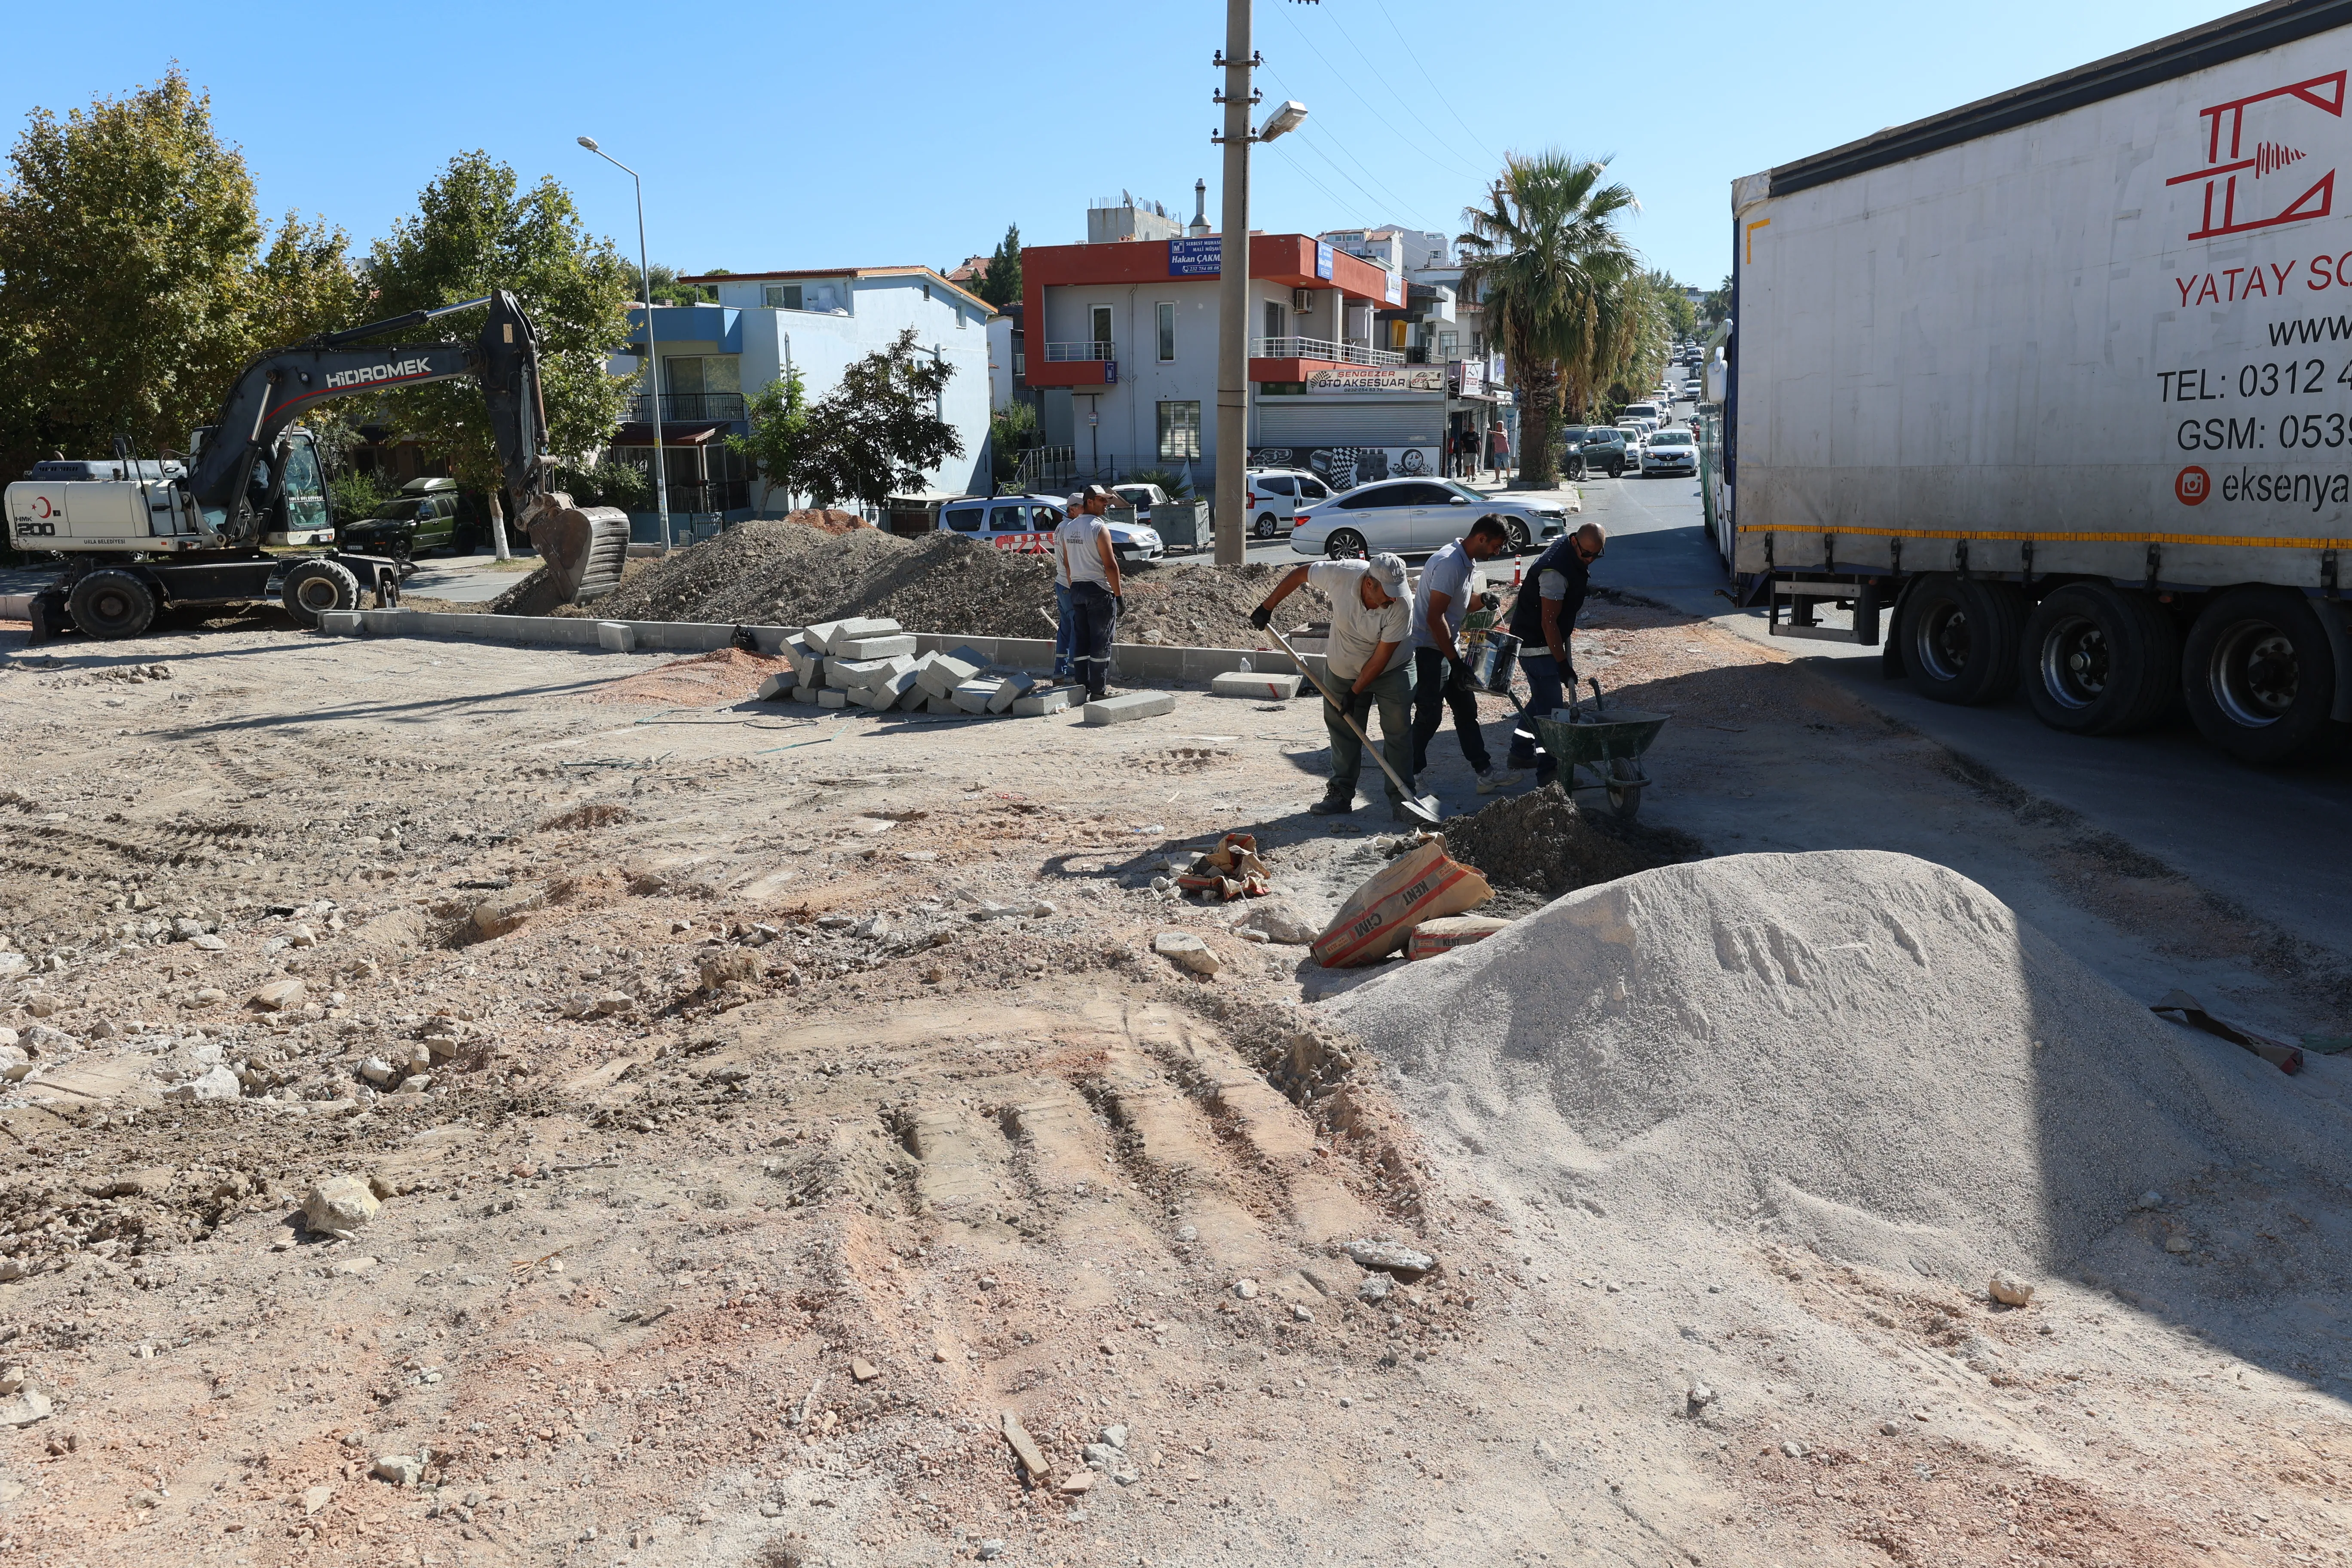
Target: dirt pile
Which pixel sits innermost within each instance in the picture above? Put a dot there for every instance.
(1533, 848)
(786, 573)
(1871, 1045)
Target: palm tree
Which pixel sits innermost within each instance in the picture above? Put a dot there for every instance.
(1542, 256)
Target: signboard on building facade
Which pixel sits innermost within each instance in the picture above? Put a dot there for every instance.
(1196, 258)
(1378, 378)
(1469, 377)
(1323, 254)
(1396, 288)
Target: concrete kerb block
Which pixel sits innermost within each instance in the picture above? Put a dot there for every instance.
(832, 699)
(873, 648)
(856, 628)
(1127, 708)
(819, 637)
(1011, 690)
(776, 688)
(1266, 687)
(616, 637)
(976, 696)
(1038, 704)
(853, 675)
(805, 694)
(945, 672)
(867, 697)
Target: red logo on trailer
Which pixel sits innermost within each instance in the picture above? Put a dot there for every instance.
(2228, 154)
(2191, 485)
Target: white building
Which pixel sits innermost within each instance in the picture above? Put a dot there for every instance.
(716, 357)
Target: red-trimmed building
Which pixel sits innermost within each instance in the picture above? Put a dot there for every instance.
(1128, 330)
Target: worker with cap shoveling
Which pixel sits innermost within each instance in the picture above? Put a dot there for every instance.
(1371, 651)
(1441, 675)
(1541, 618)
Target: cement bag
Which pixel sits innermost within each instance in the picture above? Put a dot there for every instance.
(1444, 933)
(1377, 918)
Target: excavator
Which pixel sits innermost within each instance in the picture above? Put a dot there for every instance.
(221, 524)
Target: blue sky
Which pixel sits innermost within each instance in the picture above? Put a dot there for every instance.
(801, 135)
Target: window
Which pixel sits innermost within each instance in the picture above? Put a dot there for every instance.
(1360, 500)
(963, 519)
(1448, 344)
(1313, 490)
(1008, 520)
(783, 296)
(1275, 485)
(1180, 431)
(1100, 316)
(1274, 320)
(1020, 364)
(1048, 518)
(960, 322)
(1167, 332)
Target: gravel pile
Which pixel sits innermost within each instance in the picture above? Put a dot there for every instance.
(1533, 848)
(783, 572)
(1866, 1050)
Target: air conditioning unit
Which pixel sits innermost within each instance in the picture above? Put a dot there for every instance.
(1303, 302)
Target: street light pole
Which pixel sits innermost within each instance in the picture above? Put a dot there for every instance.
(653, 360)
(1232, 519)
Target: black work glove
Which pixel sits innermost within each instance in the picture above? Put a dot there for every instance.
(1457, 677)
(1261, 617)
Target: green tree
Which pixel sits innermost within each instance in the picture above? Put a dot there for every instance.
(1000, 280)
(476, 229)
(1682, 316)
(1538, 256)
(1012, 431)
(133, 282)
(778, 437)
(1716, 306)
(877, 433)
(668, 290)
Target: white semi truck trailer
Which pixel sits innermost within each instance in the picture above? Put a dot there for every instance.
(2057, 389)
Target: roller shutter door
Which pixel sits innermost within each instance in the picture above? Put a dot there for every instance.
(1354, 422)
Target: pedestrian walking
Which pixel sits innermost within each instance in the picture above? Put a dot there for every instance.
(1082, 544)
(1541, 618)
(1441, 675)
(1370, 651)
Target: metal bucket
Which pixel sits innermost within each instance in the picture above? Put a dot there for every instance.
(1493, 660)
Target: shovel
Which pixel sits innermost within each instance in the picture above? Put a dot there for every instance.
(1421, 808)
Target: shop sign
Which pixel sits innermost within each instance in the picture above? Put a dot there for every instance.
(1323, 254)
(1378, 378)
(1196, 258)
(1345, 468)
(1396, 288)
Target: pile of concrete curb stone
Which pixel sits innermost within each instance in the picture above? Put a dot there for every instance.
(872, 663)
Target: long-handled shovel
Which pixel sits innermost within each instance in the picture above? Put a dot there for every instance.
(1421, 808)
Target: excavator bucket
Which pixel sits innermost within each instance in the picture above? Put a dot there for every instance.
(584, 547)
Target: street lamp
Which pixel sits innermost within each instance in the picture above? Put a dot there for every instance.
(653, 360)
(1232, 280)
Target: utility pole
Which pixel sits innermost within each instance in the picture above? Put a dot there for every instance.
(1232, 295)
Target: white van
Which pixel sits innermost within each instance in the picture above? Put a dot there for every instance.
(1276, 496)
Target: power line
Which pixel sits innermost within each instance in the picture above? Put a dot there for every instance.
(1432, 80)
(1338, 203)
(1368, 106)
(1401, 206)
(1403, 100)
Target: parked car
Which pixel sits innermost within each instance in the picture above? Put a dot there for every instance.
(1650, 413)
(1417, 516)
(1276, 496)
(1670, 452)
(1026, 523)
(1596, 447)
(425, 515)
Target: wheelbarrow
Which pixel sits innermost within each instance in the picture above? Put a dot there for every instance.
(1603, 741)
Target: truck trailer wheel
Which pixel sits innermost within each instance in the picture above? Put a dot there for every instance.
(1959, 638)
(2095, 661)
(111, 603)
(315, 587)
(2259, 675)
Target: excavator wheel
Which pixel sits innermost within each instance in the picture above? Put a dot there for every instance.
(584, 547)
(314, 587)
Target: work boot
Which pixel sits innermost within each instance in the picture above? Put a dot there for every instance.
(1493, 779)
(1334, 805)
(1397, 813)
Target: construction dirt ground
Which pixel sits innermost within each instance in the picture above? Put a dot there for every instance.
(804, 1158)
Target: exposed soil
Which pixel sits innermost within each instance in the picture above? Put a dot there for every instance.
(783, 572)
(765, 1049)
(1533, 848)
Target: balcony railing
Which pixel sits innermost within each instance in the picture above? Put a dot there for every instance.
(1056, 353)
(1322, 349)
(680, 407)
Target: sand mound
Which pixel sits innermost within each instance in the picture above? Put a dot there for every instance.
(722, 675)
(1869, 1048)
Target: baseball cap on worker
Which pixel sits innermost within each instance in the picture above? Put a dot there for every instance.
(1388, 569)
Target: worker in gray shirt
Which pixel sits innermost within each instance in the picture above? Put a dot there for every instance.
(1369, 658)
(1441, 676)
